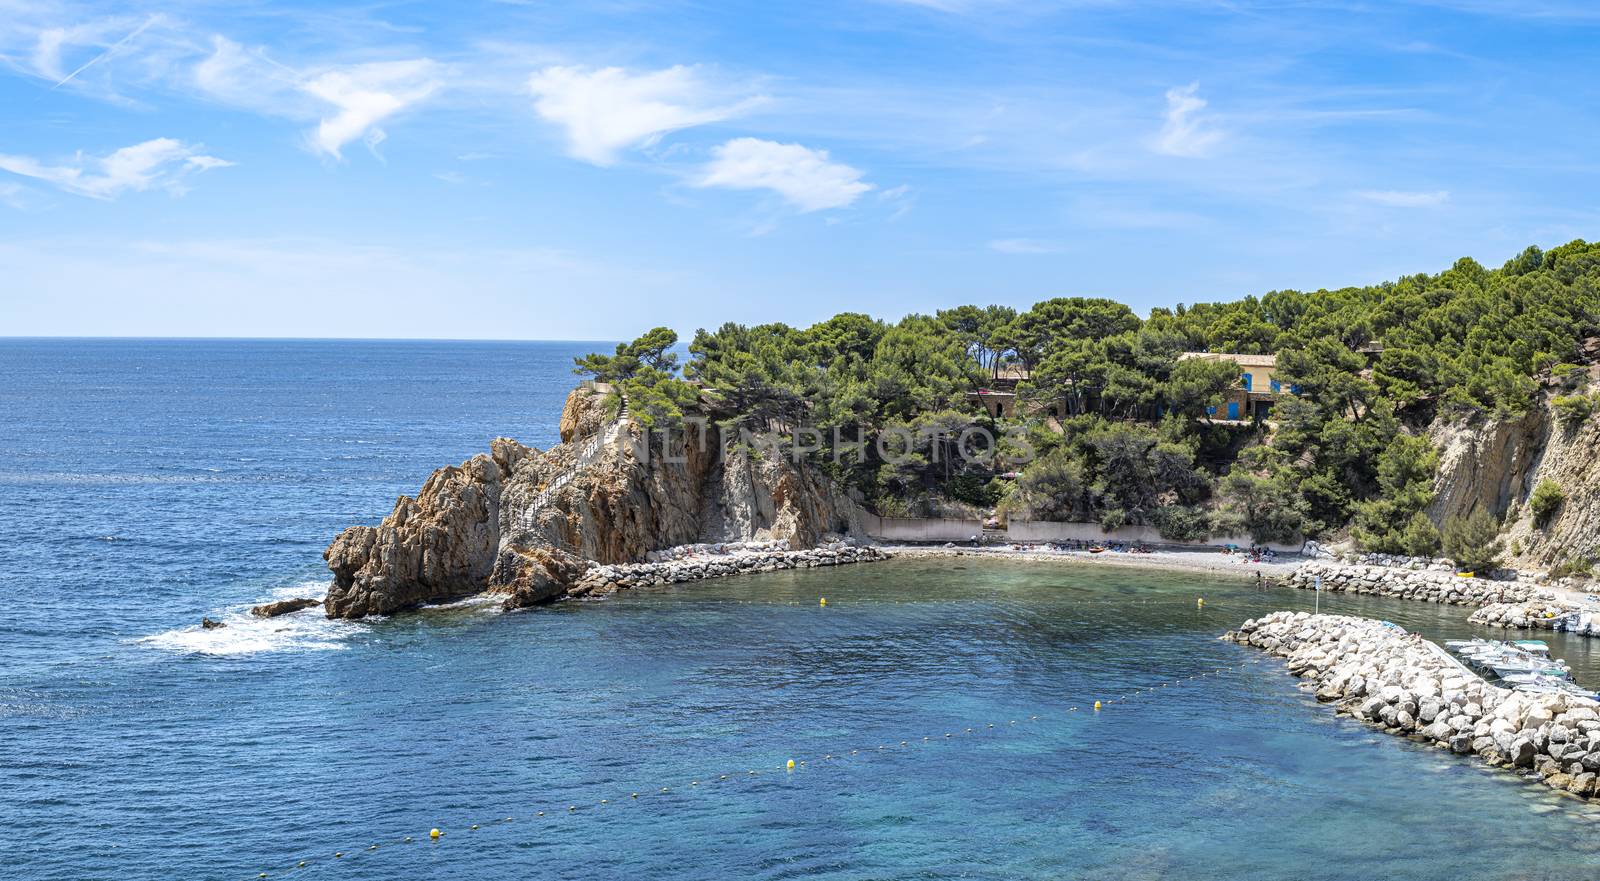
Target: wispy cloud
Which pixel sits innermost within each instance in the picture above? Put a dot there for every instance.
(348, 101)
(1187, 130)
(111, 50)
(161, 162)
(1405, 198)
(806, 178)
(607, 110)
(365, 95)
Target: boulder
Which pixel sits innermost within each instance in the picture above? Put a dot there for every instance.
(283, 607)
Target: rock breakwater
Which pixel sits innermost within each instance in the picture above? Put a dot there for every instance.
(699, 563)
(1424, 584)
(1540, 614)
(1407, 686)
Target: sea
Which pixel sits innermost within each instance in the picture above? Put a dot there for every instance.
(939, 714)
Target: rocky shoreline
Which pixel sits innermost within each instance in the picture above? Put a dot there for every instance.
(1406, 686)
(1423, 584)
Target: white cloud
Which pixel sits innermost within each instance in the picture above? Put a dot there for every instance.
(365, 95)
(1405, 198)
(246, 78)
(607, 110)
(361, 95)
(161, 162)
(1025, 246)
(801, 175)
(1186, 131)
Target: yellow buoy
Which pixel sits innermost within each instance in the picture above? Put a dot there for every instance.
(824, 601)
(1097, 705)
(790, 766)
(434, 833)
(1200, 603)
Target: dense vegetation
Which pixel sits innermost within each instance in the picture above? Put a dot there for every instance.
(1113, 427)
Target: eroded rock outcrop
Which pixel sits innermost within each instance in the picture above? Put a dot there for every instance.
(531, 524)
(440, 545)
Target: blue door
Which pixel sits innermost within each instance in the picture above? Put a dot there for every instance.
(1233, 409)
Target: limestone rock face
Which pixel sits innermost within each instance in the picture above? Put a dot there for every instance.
(1495, 465)
(528, 524)
(1485, 465)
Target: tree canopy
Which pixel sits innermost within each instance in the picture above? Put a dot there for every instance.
(1121, 423)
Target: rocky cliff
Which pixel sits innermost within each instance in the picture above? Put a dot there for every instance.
(529, 524)
(1494, 465)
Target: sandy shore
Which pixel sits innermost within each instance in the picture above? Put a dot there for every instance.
(1207, 562)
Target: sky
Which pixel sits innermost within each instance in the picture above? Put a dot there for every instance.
(536, 170)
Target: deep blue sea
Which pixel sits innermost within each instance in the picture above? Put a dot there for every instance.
(144, 484)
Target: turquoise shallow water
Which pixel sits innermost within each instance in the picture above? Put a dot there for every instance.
(139, 747)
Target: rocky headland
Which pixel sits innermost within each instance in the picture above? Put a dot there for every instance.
(535, 525)
(1407, 686)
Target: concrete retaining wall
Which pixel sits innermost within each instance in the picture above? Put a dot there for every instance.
(932, 529)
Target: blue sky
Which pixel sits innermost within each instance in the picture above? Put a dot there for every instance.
(584, 171)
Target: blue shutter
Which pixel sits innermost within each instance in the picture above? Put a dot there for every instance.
(1247, 379)
(1233, 409)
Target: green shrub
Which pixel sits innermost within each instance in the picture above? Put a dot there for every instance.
(1182, 523)
(1421, 537)
(1545, 500)
(1472, 541)
(1573, 410)
(1572, 566)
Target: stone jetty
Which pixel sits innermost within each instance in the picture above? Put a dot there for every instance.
(699, 562)
(1407, 686)
(1540, 614)
(1428, 584)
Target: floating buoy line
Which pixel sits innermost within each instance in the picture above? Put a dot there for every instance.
(442, 836)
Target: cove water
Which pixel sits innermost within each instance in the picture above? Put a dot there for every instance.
(144, 484)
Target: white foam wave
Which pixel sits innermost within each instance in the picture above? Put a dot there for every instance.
(245, 634)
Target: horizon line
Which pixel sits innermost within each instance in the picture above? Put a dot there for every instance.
(286, 339)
